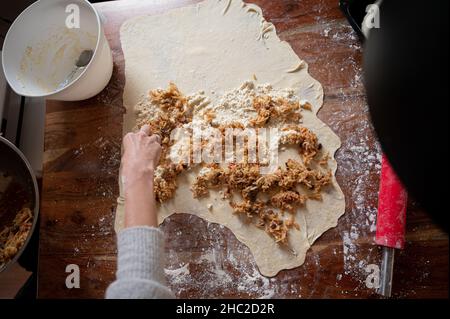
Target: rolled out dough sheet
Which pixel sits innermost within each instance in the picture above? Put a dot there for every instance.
(214, 47)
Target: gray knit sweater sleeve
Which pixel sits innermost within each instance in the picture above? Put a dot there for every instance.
(140, 262)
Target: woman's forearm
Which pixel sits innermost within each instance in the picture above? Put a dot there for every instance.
(140, 206)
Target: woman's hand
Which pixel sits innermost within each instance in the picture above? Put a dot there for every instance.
(139, 160)
(141, 155)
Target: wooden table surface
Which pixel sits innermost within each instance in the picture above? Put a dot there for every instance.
(82, 157)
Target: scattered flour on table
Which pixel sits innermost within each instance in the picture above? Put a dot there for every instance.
(358, 154)
(215, 270)
(97, 231)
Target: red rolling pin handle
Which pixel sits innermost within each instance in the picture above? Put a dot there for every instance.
(391, 215)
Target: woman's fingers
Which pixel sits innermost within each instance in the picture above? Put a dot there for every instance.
(155, 138)
(145, 129)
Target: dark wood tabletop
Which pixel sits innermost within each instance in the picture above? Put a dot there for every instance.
(82, 157)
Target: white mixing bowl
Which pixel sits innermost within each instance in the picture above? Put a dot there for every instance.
(40, 51)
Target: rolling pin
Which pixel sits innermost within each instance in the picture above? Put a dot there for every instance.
(391, 216)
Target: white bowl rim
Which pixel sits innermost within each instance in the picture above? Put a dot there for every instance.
(99, 35)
